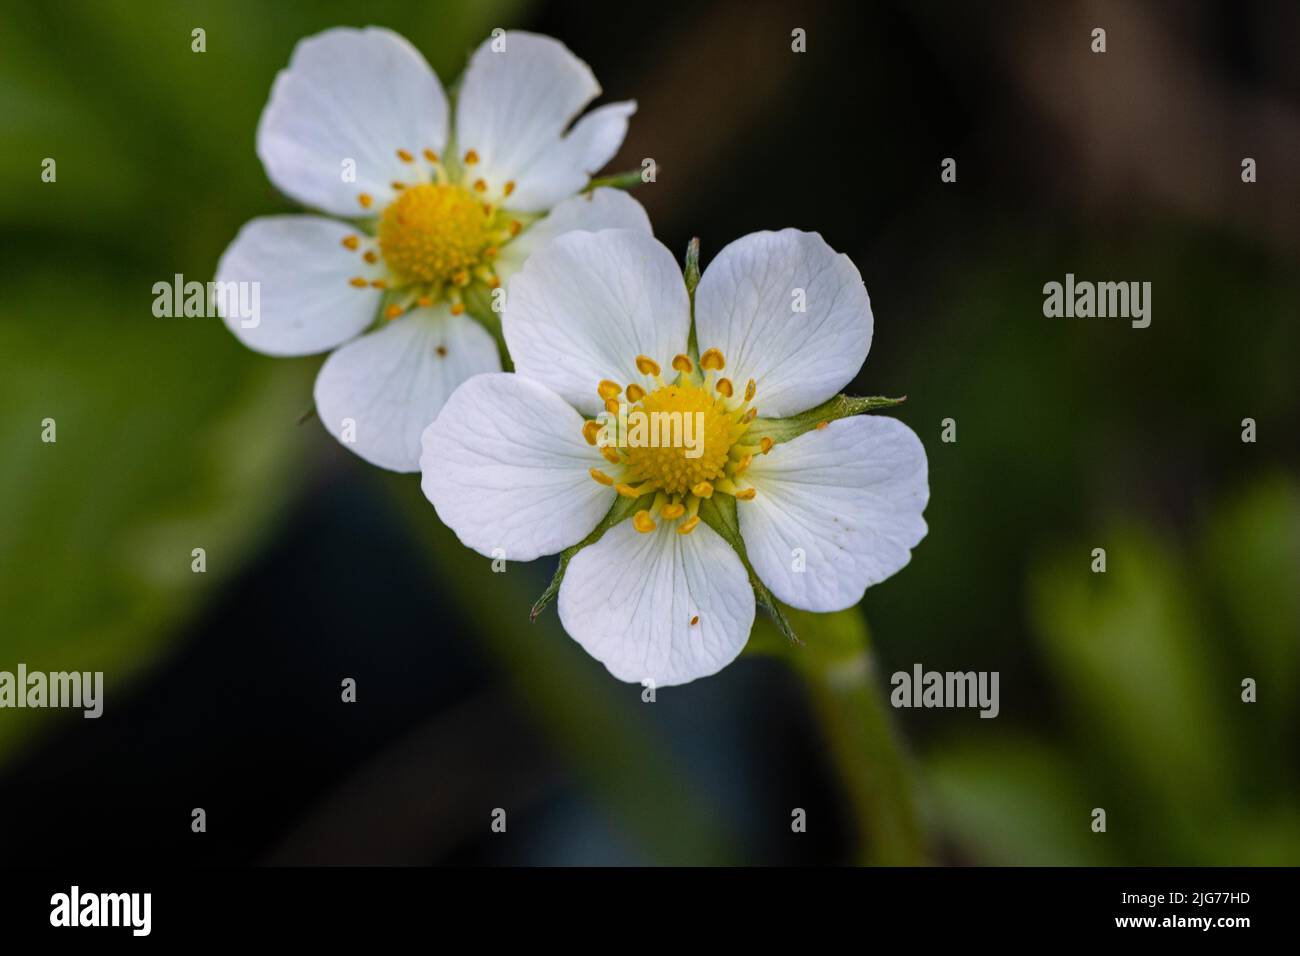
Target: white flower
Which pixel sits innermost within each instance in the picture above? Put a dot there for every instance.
(359, 127)
(518, 463)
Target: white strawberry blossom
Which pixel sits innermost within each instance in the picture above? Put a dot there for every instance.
(431, 210)
(519, 464)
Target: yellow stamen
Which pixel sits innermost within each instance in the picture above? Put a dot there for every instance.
(404, 156)
(746, 494)
(822, 426)
(430, 155)
(683, 364)
(471, 157)
(393, 311)
(509, 187)
(365, 199)
(358, 282)
(689, 525)
(703, 490)
(607, 389)
(724, 387)
(591, 431)
(610, 455)
(351, 242)
(458, 308)
(643, 522)
(601, 477)
(766, 444)
(480, 185)
(674, 510)
(712, 361)
(750, 388)
(635, 393)
(647, 366)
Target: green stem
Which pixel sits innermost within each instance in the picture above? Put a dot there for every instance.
(838, 670)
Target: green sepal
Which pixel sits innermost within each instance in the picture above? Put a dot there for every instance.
(623, 509)
(841, 406)
(719, 513)
(691, 272)
(628, 180)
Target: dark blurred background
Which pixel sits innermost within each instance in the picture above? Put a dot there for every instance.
(1118, 690)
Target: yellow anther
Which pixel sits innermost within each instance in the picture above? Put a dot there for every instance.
(358, 282)
(822, 426)
(458, 308)
(627, 491)
(365, 199)
(742, 464)
(480, 185)
(471, 157)
(695, 619)
(393, 311)
(509, 187)
(515, 227)
(424, 301)
(611, 406)
(378, 284)
(750, 388)
(610, 455)
(750, 415)
(601, 477)
(370, 256)
(746, 494)
(766, 444)
(351, 242)
(398, 185)
(607, 389)
(643, 522)
(712, 361)
(673, 511)
(430, 155)
(591, 431)
(404, 156)
(703, 490)
(647, 366)
(689, 525)
(683, 363)
(635, 393)
(724, 387)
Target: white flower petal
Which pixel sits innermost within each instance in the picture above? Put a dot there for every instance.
(602, 208)
(377, 394)
(745, 305)
(350, 95)
(513, 108)
(849, 497)
(563, 169)
(587, 304)
(505, 466)
(629, 600)
(304, 302)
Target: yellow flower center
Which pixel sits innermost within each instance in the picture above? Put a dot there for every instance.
(688, 434)
(433, 233)
(679, 441)
(438, 238)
